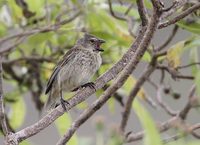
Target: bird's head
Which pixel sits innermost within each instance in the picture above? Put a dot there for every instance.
(91, 42)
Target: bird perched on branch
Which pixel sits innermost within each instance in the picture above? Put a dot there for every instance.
(74, 70)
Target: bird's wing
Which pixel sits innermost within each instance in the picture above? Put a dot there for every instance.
(70, 54)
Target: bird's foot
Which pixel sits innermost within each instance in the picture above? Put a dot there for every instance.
(64, 103)
(90, 84)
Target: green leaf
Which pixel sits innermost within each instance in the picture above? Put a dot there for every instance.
(15, 10)
(152, 136)
(62, 124)
(17, 113)
(37, 39)
(193, 27)
(146, 57)
(36, 6)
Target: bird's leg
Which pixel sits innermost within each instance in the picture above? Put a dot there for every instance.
(89, 84)
(62, 100)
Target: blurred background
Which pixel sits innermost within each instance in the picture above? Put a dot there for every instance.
(34, 34)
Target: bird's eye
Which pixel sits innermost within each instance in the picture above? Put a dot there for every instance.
(92, 40)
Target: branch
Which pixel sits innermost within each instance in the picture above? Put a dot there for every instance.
(188, 65)
(177, 5)
(142, 11)
(113, 13)
(183, 113)
(2, 110)
(180, 16)
(174, 73)
(127, 109)
(169, 39)
(117, 83)
(163, 127)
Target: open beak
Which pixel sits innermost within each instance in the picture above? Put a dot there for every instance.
(101, 41)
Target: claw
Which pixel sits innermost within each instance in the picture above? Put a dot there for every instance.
(90, 84)
(63, 103)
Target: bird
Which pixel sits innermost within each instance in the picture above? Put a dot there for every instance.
(74, 70)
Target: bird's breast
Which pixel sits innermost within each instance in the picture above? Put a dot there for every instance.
(80, 70)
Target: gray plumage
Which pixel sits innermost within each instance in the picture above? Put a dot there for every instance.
(75, 69)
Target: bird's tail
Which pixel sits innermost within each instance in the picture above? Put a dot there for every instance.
(51, 102)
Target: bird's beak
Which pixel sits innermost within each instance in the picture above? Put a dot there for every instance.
(101, 41)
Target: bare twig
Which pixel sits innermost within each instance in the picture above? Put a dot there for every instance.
(128, 9)
(174, 73)
(188, 65)
(176, 5)
(180, 16)
(183, 113)
(163, 127)
(132, 95)
(113, 13)
(169, 39)
(2, 110)
(173, 138)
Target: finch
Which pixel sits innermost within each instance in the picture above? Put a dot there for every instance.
(74, 70)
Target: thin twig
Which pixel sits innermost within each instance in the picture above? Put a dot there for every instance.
(188, 65)
(162, 128)
(180, 16)
(128, 9)
(183, 113)
(176, 5)
(169, 39)
(113, 13)
(127, 109)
